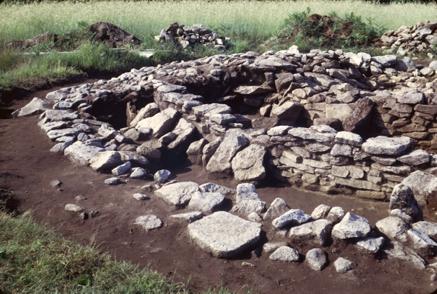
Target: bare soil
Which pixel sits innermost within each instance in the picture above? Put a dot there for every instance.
(27, 167)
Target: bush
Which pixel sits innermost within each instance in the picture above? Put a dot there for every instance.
(309, 31)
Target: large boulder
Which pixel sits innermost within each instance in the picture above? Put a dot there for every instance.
(233, 141)
(287, 113)
(248, 164)
(224, 235)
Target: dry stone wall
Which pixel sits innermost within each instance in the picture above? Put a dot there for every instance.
(333, 121)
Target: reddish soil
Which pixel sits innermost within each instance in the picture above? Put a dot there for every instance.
(27, 167)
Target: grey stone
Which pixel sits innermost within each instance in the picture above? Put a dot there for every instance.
(370, 244)
(162, 176)
(224, 235)
(343, 265)
(269, 247)
(410, 97)
(277, 207)
(310, 134)
(320, 211)
(417, 157)
(188, 217)
(140, 196)
(177, 194)
(402, 198)
(138, 173)
(392, 146)
(316, 259)
(421, 241)
(351, 226)
(105, 161)
(113, 181)
(429, 228)
(35, 106)
(424, 186)
(160, 123)
(248, 164)
(213, 187)
(335, 214)
(398, 251)
(233, 141)
(349, 138)
(287, 112)
(206, 201)
(122, 169)
(286, 254)
(291, 218)
(148, 222)
(393, 227)
(80, 153)
(70, 207)
(318, 230)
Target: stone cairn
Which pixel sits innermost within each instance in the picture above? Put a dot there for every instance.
(327, 120)
(189, 36)
(420, 38)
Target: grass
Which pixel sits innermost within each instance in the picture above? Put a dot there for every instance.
(26, 70)
(35, 260)
(250, 21)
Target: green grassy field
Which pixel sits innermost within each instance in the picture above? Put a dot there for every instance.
(257, 20)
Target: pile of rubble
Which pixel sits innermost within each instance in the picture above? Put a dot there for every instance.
(420, 38)
(190, 36)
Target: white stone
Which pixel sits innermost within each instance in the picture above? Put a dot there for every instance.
(248, 164)
(320, 211)
(162, 176)
(285, 253)
(278, 207)
(106, 160)
(318, 230)
(372, 245)
(343, 265)
(140, 196)
(382, 145)
(35, 106)
(393, 227)
(188, 217)
(351, 226)
(73, 208)
(122, 169)
(80, 153)
(148, 222)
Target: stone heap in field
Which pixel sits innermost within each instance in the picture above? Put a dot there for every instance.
(325, 120)
(420, 38)
(189, 36)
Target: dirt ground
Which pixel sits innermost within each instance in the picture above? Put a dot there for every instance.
(27, 167)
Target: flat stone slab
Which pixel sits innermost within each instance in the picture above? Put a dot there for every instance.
(177, 194)
(224, 235)
(382, 145)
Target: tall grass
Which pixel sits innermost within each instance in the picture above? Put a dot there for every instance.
(257, 20)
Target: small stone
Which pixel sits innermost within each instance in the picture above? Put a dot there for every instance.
(188, 217)
(269, 247)
(73, 208)
(402, 198)
(177, 194)
(162, 176)
(113, 181)
(140, 196)
(138, 173)
(285, 253)
(343, 265)
(335, 214)
(148, 222)
(316, 259)
(290, 218)
(278, 207)
(320, 211)
(55, 183)
(351, 226)
(122, 169)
